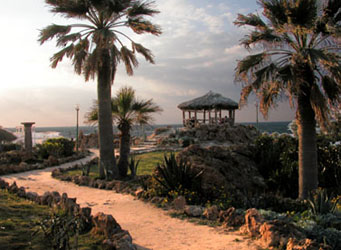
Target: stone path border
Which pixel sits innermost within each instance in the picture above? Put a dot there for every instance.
(150, 227)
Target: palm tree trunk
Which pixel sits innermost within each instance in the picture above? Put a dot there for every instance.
(307, 151)
(124, 150)
(105, 128)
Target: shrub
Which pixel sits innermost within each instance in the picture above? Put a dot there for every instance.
(320, 203)
(174, 176)
(58, 147)
(277, 161)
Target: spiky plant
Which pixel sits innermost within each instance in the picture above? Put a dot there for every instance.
(300, 58)
(96, 45)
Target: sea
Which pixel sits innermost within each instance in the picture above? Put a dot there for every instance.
(42, 133)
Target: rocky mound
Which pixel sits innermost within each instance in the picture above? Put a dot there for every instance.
(229, 169)
(208, 134)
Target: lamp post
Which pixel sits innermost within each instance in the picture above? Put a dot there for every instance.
(256, 104)
(77, 111)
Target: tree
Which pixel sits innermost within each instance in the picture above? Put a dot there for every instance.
(95, 47)
(300, 59)
(127, 110)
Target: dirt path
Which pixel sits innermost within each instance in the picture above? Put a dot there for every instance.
(150, 227)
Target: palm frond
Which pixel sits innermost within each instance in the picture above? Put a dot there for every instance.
(129, 60)
(63, 40)
(140, 26)
(58, 57)
(251, 20)
(265, 36)
(144, 51)
(69, 9)
(140, 8)
(248, 64)
(52, 31)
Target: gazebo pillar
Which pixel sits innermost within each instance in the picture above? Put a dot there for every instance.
(215, 116)
(209, 117)
(183, 118)
(204, 116)
(28, 136)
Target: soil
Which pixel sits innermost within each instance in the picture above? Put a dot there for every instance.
(150, 227)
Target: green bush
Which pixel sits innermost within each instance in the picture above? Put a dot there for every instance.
(277, 161)
(58, 147)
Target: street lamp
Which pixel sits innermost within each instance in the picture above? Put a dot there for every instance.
(256, 104)
(77, 143)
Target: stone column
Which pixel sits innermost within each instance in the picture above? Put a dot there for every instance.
(28, 136)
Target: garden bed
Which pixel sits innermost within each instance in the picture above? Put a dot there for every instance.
(43, 222)
(16, 162)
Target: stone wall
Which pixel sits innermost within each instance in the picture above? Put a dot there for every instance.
(116, 238)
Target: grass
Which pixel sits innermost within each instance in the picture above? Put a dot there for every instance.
(18, 222)
(148, 162)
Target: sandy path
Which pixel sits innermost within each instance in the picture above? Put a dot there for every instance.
(150, 227)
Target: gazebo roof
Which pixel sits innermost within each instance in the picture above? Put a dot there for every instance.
(209, 101)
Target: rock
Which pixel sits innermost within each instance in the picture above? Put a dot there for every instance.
(179, 203)
(32, 196)
(13, 188)
(105, 224)
(84, 180)
(110, 185)
(194, 211)
(52, 161)
(3, 184)
(231, 218)
(24, 166)
(211, 213)
(56, 197)
(305, 244)
(139, 192)
(228, 169)
(46, 199)
(123, 241)
(56, 172)
(21, 192)
(156, 200)
(253, 221)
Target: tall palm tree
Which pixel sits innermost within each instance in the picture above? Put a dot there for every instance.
(95, 46)
(298, 56)
(127, 110)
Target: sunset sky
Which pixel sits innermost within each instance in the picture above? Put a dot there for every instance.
(197, 52)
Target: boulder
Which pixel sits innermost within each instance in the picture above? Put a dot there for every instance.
(211, 213)
(3, 184)
(194, 211)
(305, 244)
(179, 203)
(253, 221)
(228, 169)
(231, 218)
(105, 224)
(13, 188)
(32, 196)
(21, 192)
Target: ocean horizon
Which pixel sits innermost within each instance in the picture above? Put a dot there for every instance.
(70, 131)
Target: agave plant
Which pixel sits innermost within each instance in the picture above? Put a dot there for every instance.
(133, 165)
(320, 203)
(176, 176)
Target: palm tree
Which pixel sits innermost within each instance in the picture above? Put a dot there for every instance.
(298, 56)
(127, 110)
(95, 46)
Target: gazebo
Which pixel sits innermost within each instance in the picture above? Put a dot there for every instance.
(209, 109)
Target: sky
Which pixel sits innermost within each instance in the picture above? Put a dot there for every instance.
(197, 52)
